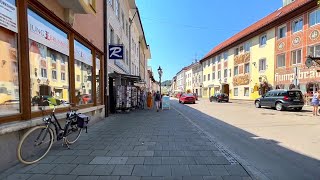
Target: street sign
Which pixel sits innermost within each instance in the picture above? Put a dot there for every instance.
(115, 51)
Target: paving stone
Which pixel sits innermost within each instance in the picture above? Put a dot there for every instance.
(218, 170)
(146, 153)
(64, 159)
(118, 160)
(98, 153)
(83, 160)
(204, 160)
(152, 160)
(233, 177)
(152, 178)
(176, 153)
(180, 170)
(135, 160)
(161, 153)
(41, 168)
(83, 146)
(82, 169)
(191, 153)
(62, 169)
(170, 160)
(236, 170)
(100, 160)
(187, 160)
(18, 176)
(140, 148)
(48, 159)
(109, 178)
(64, 177)
(172, 178)
(130, 178)
(82, 152)
(103, 170)
(117, 153)
(122, 170)
(130, 153)
(221, 160)
(142, 170)
(212, 178)
(41, 177)
(66, 152)
(87, 178)
(161, 170)
(206, 153)
(199, 170)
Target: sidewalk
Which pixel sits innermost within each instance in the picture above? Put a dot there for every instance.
(142, 145)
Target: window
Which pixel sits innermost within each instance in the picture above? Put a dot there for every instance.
(225, 73)
(122, 19)
(247, 46)
(9, 70)
(263, 40)
(246, 91)
(296, 57)
(47, 61)
(314, 17)
(98, 79)
(127, 57)
(236, 51)
(118, 40)
(241, 49)
(235, 90)
(127, 29)
(247, 68)
(219, 74)
(54, 75)
(314, 51)
(282, 32)
(204, 64)
(78, 78)
(297, 25)
(204, 77)
(84, 86)
(212, 60)
(116, 6)
(235, 71)
(219, 58)
(225, 55)
(208, 77)
(111, 40)
(281, 60)
(262, 65)
(63, 76)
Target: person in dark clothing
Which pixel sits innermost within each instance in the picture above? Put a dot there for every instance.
(157, 99)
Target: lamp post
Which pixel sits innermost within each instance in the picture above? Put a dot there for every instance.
(160, 74)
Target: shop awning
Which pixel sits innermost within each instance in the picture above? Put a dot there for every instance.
(125, 76)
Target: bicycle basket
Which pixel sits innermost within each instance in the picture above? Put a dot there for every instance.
(82, 120)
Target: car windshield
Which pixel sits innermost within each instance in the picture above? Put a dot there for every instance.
(189, 95)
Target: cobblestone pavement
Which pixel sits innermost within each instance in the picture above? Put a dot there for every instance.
(143, 144)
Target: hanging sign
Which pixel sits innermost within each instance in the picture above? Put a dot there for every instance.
(115, 51)
(8, 16)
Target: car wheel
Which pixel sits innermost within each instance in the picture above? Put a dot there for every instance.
(298, 109)
(257, 104)
(194, 102)
(179, 101)
(279, 106)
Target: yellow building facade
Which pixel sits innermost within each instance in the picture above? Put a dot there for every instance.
(206, 79)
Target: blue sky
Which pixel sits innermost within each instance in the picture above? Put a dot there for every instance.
(180, 30)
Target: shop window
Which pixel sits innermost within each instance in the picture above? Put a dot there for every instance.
(83, 87)
(98, 79)
(296, 57)
(48, 53)
(9, 64)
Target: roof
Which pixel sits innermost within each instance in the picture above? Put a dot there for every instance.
(253, 30)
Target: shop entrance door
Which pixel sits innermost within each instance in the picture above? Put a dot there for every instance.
(225, 89)
(45, 90)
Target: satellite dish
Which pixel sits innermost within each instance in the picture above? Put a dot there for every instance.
(309, 62)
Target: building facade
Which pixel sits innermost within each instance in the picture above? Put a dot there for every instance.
(197, 79)
(188, 79)
(181, 81)
(53, 54)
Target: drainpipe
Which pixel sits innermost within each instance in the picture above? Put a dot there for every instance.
(106, 57)
(130, 23)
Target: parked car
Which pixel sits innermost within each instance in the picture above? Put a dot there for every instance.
(196, 96)
(187, 98)
(281, 100)
(178, 95)
(86, 98)
(219, 97)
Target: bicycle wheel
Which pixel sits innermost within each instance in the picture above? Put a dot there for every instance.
(73, 133)
(35, 144)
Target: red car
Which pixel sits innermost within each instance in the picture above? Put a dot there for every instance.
(187, 98)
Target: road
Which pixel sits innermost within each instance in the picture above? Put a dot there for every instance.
(278, 145)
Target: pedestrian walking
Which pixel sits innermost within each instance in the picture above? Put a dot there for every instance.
(149, 100)
(315, 102)
(157, 99)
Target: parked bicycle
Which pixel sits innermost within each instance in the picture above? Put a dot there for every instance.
(37, 142)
